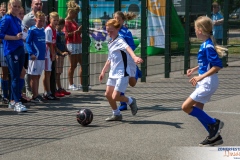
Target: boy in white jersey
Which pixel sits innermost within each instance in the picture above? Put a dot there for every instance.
(36, 48)
(119, 54)
(51, 35)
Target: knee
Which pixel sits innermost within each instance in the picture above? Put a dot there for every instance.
(186, 108)
(108, 95)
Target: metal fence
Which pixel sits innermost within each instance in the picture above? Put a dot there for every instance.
(163, 32)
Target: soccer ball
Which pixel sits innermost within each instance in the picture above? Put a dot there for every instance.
(98, 45)
(84, 117)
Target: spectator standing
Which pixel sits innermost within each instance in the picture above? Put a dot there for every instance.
(62, 51)
(36, 48)
(51, 35)
(4, 76)
(11, 32)
(217, 19)
(28, 21)
(74, 42)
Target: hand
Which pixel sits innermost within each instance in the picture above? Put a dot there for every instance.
(101, 76)
(65, 53)
(33, 57)
(138, 60)
(19, 35)
(195, 79)
(79, 29)
(189, 72)
(53, 57)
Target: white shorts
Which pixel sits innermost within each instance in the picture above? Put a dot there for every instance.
(36, 67)
(133, 67)
(120, 84)
(48, 64)
(2, 58)
(205, 89)
(75, 48)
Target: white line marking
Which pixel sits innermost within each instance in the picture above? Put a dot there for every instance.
(225, 112)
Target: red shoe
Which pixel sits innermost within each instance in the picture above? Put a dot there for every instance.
(63, 91)
(59, 94)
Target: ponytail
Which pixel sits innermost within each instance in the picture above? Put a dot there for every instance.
(219, 49)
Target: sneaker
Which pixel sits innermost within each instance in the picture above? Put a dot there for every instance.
(11, 105)
(5, 101)
(50, 97)
(63, 91)
(133, 107)
(73, 87)
(19, 107)
(38, 99)
(114, 118)
(23, 100)
(29, 94)
(59, 94)
(122, 106)
(207, 142)
(214, 129)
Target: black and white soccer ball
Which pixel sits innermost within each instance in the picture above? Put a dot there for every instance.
(84, 117)
(98, 45)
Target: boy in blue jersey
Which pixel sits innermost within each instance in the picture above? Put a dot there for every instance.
(206, 82)
(62, 51)
(135, 73)
(36, 48)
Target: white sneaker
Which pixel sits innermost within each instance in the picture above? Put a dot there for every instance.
(73, 87)
(19, 107)
(11, 105)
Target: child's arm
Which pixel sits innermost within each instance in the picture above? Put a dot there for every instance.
(132, 54)
(29, 45)
(62, 53)
(191, 71)
(105, 68)
(52, 51)
(210, 72)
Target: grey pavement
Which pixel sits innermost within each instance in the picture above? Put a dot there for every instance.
(159, 131)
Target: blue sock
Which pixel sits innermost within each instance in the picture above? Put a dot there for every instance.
(122, 103)
(21, 84)
(4, 84)
(202, 117)
(138, 73)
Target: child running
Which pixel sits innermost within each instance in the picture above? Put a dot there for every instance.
(206, 82)
(135, 73)
(36, 48)
(118, 58)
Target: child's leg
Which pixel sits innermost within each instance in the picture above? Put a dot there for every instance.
(4, 82)
(73, 65)
(21, 82)
(214, 125)
(34, 84)
(46, 82)
(58, 82)
(80, 69)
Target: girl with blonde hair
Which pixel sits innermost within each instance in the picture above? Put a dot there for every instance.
(74, 42)
(206, 81)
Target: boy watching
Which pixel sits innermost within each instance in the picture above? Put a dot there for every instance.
(51, 35)
(36, 47)
(62, 51)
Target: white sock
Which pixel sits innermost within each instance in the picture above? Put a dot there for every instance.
(116, 112)
(129, 101)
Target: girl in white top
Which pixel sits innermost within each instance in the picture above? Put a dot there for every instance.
(119, 54)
